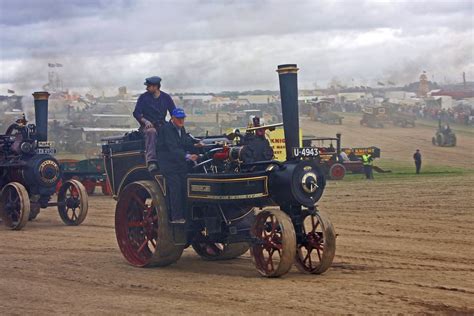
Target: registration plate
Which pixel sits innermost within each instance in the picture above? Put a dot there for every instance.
(305, 152)
(46, 151)
(46, 144)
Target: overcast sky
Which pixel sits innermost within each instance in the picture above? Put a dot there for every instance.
(216, 45)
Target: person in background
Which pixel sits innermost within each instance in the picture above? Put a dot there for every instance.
(343, 156)
(367, 161)
(417, 158)
(150, 112)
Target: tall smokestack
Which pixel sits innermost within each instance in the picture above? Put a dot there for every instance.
(464, 79)
(41, 115)
(289, 106)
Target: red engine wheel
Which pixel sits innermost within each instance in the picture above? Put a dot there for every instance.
(143, 232)
(337, 171)
(14, 205)
(89, 185)
(316, 252)
(273, 251)
(73, 203)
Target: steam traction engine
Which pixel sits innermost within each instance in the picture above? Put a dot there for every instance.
(29, 174)
(238, 198)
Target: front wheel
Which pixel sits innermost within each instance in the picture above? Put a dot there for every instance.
(275, 245)
(73, 202)
(317, 248)
(14, 205)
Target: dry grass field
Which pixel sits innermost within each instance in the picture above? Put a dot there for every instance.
(405, 245)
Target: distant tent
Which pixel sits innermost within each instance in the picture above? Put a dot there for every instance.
(380, 83)
(10, 91)
(51, 65)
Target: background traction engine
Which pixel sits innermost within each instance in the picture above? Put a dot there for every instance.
(29, 174)
(238, 198)
(444, 137)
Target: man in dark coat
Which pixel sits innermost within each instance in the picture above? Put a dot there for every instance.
(150, 112)
(417, 158)
(175, 147)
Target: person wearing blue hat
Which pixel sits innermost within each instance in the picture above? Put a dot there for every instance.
(150, 111)
(175, 147)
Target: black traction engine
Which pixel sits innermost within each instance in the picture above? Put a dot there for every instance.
(29, 173)
(238, 197)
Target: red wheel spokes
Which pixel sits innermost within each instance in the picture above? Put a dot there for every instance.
(134, 224)
(139, 201)
(142, 217)
(142, 246)
(314, 241)
(73, 192)
(270, 236)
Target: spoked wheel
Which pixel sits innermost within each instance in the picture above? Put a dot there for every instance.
(337, 171)
(274, 250)
(316, 251)
(72, 203)
(143, 232)
(14, 206)
(212, 251)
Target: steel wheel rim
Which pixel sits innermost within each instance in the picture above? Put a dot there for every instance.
(12, 209)
(137, 227)
(310, 253)
(72, 203)
(268, 252)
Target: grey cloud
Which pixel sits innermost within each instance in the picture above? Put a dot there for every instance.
(212, 45)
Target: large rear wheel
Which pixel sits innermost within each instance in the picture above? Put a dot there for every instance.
(142, 227)
(274, 249)
(14, 205)
(73, 202)
(318, 246)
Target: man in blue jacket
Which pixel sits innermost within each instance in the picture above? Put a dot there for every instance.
(175, 147)
(150, 112)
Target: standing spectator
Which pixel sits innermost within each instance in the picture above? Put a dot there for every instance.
(417, 158)
(367, 161)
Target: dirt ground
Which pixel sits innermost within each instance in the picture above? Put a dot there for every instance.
(405, 245)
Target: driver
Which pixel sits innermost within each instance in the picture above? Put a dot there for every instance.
(175, 147)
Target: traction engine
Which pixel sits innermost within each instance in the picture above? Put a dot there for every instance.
(29, 174)
(238, 197)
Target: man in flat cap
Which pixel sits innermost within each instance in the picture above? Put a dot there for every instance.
(175, 147)
(150, 112)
